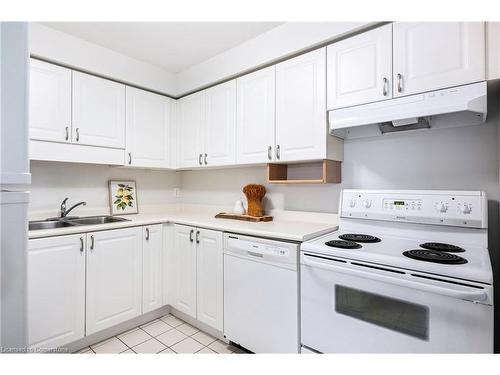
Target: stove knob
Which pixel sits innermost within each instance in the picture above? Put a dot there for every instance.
(465, 208)
(352, 203)
(368, 203)
(441, 207)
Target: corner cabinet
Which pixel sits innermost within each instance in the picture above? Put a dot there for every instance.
(301, 119)
(190, 130)
(435, 55)
(197, 274)
(149, 122)
(114, 277)
(360, 68)
(56, 291)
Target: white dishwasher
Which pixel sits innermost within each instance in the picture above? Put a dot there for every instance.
(261, 287)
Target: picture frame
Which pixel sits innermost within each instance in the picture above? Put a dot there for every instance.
(123, 197)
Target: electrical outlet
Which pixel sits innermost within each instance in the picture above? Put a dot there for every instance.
(177, 192)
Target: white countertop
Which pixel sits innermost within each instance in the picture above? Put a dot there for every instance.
(287, 225)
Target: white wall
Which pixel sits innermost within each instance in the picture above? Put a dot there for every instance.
(285, 40)
(52, 182)
(68, 50)
(278, 43)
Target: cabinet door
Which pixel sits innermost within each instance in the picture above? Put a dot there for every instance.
(220, 125)
(56, 290)
(114, 277)
(98, 111)
(301, 126)
(152, 268)
(50, 102)
(434, 55)
(168, 262)
(148, 129)
(209, 258)
(360, 69)
(184, 270)
(191, 117)
(256, 110)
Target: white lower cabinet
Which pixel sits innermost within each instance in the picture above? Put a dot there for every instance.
(114, 277)
(84, 283)
(56, 291)
(183, 269)
(197, 274)
(152, 268)
(209, 281)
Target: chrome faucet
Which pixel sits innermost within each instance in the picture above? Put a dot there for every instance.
(63, 212)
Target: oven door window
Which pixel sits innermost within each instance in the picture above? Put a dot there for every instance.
(394, 314)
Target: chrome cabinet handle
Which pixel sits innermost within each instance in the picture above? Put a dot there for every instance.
(206, 159)
(81, 245)
(385, 90)
(147, 234)
(92, 242)
(129, 158)
(400, 82)
(277, 152)
(199, 159)
(191, 235)
(77, 134)
(67, 132)
(197, 236)
(269, 152)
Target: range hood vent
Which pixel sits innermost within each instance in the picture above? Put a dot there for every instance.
(453, 107)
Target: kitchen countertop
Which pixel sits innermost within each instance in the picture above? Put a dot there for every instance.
(287, 225)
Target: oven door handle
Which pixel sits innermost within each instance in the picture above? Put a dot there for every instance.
(475, 296)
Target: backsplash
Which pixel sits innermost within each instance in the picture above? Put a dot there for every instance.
(52, 182)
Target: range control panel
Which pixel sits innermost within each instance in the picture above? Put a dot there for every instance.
(455, 208)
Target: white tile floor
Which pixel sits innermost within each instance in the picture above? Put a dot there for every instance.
(167, 335)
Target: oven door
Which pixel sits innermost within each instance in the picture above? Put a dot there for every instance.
(355, 307)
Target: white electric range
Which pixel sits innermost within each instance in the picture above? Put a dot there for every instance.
(407, 271)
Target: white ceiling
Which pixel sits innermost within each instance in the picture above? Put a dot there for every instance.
(174, 46)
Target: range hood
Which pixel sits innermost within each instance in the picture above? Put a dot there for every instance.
(456, 106)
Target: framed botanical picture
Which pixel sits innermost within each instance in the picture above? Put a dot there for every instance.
(123, 197)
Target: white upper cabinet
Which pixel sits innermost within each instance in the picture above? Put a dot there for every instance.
(50, 102)
(114, 277)
(209, 296)
(152, 268)
(220, 125)
(360, 68)
(256, 110)
(183, 269)
(435, 55)
(206, 128)
(56, 291)
(301, 119)
(98, 111)
(190, 130)
(149, 118)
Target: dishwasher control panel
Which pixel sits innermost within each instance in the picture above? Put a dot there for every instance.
(260, 249)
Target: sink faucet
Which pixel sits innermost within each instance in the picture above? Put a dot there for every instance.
(63, 212)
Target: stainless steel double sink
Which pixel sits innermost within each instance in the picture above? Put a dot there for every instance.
(73, 221)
